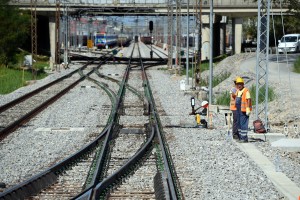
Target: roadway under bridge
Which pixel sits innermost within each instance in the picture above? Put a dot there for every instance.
(82, 12)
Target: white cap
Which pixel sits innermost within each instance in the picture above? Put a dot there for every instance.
(204, 103)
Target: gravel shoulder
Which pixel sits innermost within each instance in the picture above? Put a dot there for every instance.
(209, 166)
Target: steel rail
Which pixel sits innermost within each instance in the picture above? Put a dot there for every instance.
(42, 180)
(97, 177)
(25, 118)
(159, 50)
(154, 52)
(129, 87)
(153, 47)
(109, 92)
(132, 163)
(36, 91)
(168, 164)
(100, 190)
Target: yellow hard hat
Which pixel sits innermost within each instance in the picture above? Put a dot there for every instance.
(239, 80)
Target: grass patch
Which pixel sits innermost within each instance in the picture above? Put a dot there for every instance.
(216, 79)
(297, 65)
(204, 65)
(224, 98)
(271, 94)
(12, 79)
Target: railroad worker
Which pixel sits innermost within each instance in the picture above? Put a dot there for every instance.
(233, 92)
(243, 106)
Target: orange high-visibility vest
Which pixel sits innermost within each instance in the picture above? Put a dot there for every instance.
(232, 103)
(244, 101)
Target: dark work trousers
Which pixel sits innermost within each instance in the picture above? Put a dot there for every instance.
(235, 123)
(242, 119)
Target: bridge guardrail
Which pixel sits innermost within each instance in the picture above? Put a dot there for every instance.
(217, 3)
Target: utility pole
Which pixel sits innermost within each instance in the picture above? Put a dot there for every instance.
(66, 32)
(33, 35)
(170, 33)
(57, 35)
(198, 31)
(211, 38)
(187, 41)
(262, 60)
(178, 35)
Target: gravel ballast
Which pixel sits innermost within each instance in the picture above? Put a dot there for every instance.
(60, 130)
(208, 163)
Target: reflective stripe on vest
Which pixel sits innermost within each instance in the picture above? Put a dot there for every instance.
(244, 101)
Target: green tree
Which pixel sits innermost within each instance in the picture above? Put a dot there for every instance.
(249, 27)
(290, 18)
(14, 29)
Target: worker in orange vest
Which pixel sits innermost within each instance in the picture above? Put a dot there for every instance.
(235, 131)
(244, 107)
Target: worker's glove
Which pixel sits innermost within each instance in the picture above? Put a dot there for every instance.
(233, 90)
(248, 111)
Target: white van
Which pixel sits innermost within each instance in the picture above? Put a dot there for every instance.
(289, 43)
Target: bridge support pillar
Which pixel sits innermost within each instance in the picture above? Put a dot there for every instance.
(223, 35)
(205, 42)
(205, 36)
(52, 41)
(237, 30)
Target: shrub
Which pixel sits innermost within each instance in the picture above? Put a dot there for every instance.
(224, 98)
(297, 65)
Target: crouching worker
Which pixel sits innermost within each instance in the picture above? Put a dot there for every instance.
(244, 107)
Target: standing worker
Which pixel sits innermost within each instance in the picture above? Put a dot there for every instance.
(244, 106)
(233, 92)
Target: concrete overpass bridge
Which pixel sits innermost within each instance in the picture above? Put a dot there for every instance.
(223, 9)
(232, 8)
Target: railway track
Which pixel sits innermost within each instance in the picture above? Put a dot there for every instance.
(157, 50)
(106, 162)
(140, 184)
(16, 113)
(67, 185)
(112, 186)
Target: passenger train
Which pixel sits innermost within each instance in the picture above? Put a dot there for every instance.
(123, 40)
(110, 40)
(102, 40)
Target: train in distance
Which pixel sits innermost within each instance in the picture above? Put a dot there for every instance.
(144, 39)
(103, 40)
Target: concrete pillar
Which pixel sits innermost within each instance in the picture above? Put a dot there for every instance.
(205, 42)
(205, 38)
(237, 30)
(217, 32)
(52, 41)
(223, 35)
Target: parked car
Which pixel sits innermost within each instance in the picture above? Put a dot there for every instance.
(289, 43)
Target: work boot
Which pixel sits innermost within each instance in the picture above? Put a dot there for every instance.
(236, 136)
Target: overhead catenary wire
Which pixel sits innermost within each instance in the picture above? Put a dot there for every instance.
(287, 64)
(277, 57)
